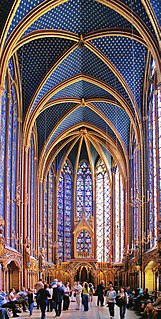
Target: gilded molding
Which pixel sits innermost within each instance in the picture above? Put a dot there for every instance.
(1, 90)
(66, 83)
(124, 11)
(112, 32)
(43, 160)
(32, 16)
(53, 68)
(39, 34)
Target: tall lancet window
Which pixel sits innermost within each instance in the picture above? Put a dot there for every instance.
(152, 126)
(31, 194)
(134, 193)
(9, 155)
(84, 191)
(48, 214)
(3, 149)
(118, 217)
(159, 133)
(64, 216)
(103, 212)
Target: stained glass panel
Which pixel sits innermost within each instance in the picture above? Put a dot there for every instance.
(65, 213)
(84, 191)
(119, 217)
(103, 213)
(3, 150)
(84, 244)
(159, 133)
(152, 194)
(31, 212)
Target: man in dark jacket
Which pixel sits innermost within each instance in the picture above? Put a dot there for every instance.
(100, 293)
(42, 296)
(57, 298)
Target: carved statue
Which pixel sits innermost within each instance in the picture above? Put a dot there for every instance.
(2, 242)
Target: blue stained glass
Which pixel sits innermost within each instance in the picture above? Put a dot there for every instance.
(2, 153)
(84, 244)
(103, 213)
(46, 218)
(65, 212)
(152, 163)
(14, 158)
(84, 191)
(9, 173)
(50, 214)
(31, 211)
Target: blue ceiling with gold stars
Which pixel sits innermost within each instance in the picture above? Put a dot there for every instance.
(81, 61)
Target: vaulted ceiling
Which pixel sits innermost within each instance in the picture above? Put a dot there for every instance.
(82, 66)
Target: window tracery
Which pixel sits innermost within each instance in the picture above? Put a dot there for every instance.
(64, 215)
(84, 191)
(152, 125)
(118, 216)
(103, 212)
(8, 157)
(48, 215)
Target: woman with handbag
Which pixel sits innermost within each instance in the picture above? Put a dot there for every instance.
(111, 300)
(122, 300)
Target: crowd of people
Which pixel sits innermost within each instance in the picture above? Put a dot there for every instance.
(57, 296)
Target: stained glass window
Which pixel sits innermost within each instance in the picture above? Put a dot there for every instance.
(103, 212)
(84, 191)
(31, 213)
(3, 150)
(159, 133)
(118, 217)
(152, 162)
(84, 244)
(8, 169)
(64, 215)
(48, 214)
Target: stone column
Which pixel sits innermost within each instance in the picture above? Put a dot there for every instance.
(1, 92)
(25, 203)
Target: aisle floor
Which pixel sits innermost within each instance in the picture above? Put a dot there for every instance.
(93, 313)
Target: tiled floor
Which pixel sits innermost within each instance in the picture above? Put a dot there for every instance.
(93, 313)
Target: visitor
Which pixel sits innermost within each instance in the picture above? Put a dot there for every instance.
(122, 301)
(49, 299)
(42, 296)
(7, 304)
(78, 290)
(66, 296)
(91, 291)
(38, 286)
(148, 311)
(30, 301)
(111, 300)
(85, 291)
(3, 313)
(58, 293)
(100, 291)
(17, 299)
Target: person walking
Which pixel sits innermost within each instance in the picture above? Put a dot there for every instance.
(66, 297)
(100, 293)
(58, 293)
(122, 300)
(42, 296)
(91, 291)
(30, 301)
(85, 291)
(111, 300)
(38, 286)
(49, 300)
(78, 290)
